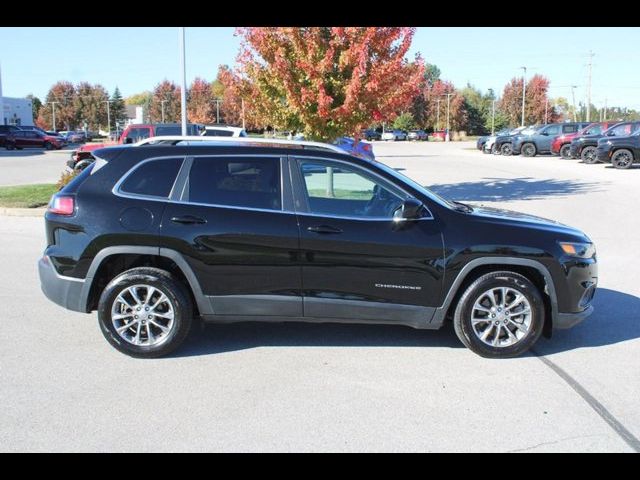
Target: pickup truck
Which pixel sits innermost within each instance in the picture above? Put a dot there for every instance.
(83, 156)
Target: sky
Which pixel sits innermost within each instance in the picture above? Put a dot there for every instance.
(137, 58)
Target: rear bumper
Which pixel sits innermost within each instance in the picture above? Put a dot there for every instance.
(64, 291)
(568, 320)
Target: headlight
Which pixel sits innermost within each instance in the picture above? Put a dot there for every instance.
(578, 250)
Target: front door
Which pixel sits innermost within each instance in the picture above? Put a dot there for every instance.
(358, 263)
(548, 134)
(231, 225)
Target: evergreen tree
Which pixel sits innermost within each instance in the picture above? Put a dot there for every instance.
(118, 110)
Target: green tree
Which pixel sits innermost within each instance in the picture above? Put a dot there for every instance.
(90, 107)
(405, 122)
(478, 107)
(36, 104)
(118, 109)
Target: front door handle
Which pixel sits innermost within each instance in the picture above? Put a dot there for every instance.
(188, 220)
(324, 229)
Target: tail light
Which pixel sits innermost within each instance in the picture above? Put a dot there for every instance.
(366, 147)
(62, 205)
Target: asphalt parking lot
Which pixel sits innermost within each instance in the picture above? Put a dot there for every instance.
(297, 387)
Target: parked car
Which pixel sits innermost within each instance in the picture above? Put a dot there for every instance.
(531, 144)
(621, 151)
(32, 128)
(481, 141)
(394, 135)
(561, 145)
(223, 131)
(151, 236)
(4, 131)
(131, 134)
(72, 136)
(370, 134)
(60, 138)
(503, 143)
(439, 135)
(20, 139)
(417, 135)
(585, 147)
(488, 145)
(361, 149)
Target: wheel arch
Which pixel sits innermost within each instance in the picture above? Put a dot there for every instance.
(112, 261)
(535, 271)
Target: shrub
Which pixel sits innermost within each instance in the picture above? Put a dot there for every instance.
(65, 178)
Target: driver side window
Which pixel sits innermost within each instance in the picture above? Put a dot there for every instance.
(336, 189)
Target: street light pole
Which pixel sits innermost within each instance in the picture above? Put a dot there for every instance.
(438, 116)
(573, 96)
(183, 90)
(546, 107)
(217, 110)
(53, 113)
(243, 127)
(524, 91)
(108, 102)
(447, 137)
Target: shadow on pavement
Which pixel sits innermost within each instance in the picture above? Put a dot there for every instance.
(504, 189)
(219, 338)
(26, 152)
(616, 319)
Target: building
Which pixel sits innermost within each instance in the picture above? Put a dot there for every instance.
(135, 114)
(16, 111)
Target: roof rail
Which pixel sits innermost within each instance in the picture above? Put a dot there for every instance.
(176, 139)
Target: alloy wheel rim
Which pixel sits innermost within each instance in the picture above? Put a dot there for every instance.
(142, 315)
(528, 150)
(501, 317)
(590, 155)
(623, 159)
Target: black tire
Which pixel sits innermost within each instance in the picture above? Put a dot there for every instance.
(589, 155)
(485, 151)
(163, 281)
(528, 150)
(565, 151)
(462, 316)
(622, 159)
(506, 149)
(48, 146)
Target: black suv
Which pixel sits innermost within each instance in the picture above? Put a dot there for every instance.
(585, 147)
(621, 152)
(154, 236)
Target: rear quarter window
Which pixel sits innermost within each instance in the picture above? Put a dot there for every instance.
(154, 178)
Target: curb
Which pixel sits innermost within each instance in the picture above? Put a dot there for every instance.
(23, 212)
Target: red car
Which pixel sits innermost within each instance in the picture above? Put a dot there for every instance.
(439, 135)
(20, 139)
(562, 145)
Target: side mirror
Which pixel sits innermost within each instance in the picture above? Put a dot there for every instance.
(409, 210)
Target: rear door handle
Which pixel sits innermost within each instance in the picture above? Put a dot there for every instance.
(324, 229)
(188, 220)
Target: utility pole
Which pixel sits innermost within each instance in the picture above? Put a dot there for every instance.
(447, 137)
(53, 113)
(573, 96)
(108, 102)
(438, 116)
(591, 54)
(242, 101)
(162, 102)
(546, 109)
(524, 91)
(183, 90)
(493, 116)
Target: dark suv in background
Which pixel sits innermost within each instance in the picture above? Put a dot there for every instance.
(529, 145)
(585, 146)
(621, 151)
(155, 235)
(561, 145)
(6, 130)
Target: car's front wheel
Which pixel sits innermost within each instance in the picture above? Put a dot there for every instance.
(506, 149)
(528, 150)
(565, 151)
(501, 314)
(145, 312)
(622, 159)
(48, 146)
(589, 155)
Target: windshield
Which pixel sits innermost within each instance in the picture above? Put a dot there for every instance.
(404, 179)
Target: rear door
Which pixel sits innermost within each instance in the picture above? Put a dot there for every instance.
(233, 223)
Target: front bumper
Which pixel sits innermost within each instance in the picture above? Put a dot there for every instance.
(64, 291)
(568, 320)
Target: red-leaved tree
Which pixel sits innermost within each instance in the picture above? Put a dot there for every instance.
(536, 100)
(435, 100)
(325, 81)
(200, 102)
(168, 92)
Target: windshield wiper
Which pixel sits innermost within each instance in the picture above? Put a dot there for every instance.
(462, 207)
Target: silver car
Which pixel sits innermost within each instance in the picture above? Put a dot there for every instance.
(394, 135)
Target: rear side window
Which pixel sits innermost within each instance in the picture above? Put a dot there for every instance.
(569, 128)
(553, 130)
(238, 182)
(218, 133)
(153, 179)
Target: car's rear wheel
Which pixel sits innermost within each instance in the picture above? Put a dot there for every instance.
(528, 150)
(501, 314)
(506, 149)
(48, 146)
(145, 312)
(622, 159)
(565, 151)
(589, 155)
